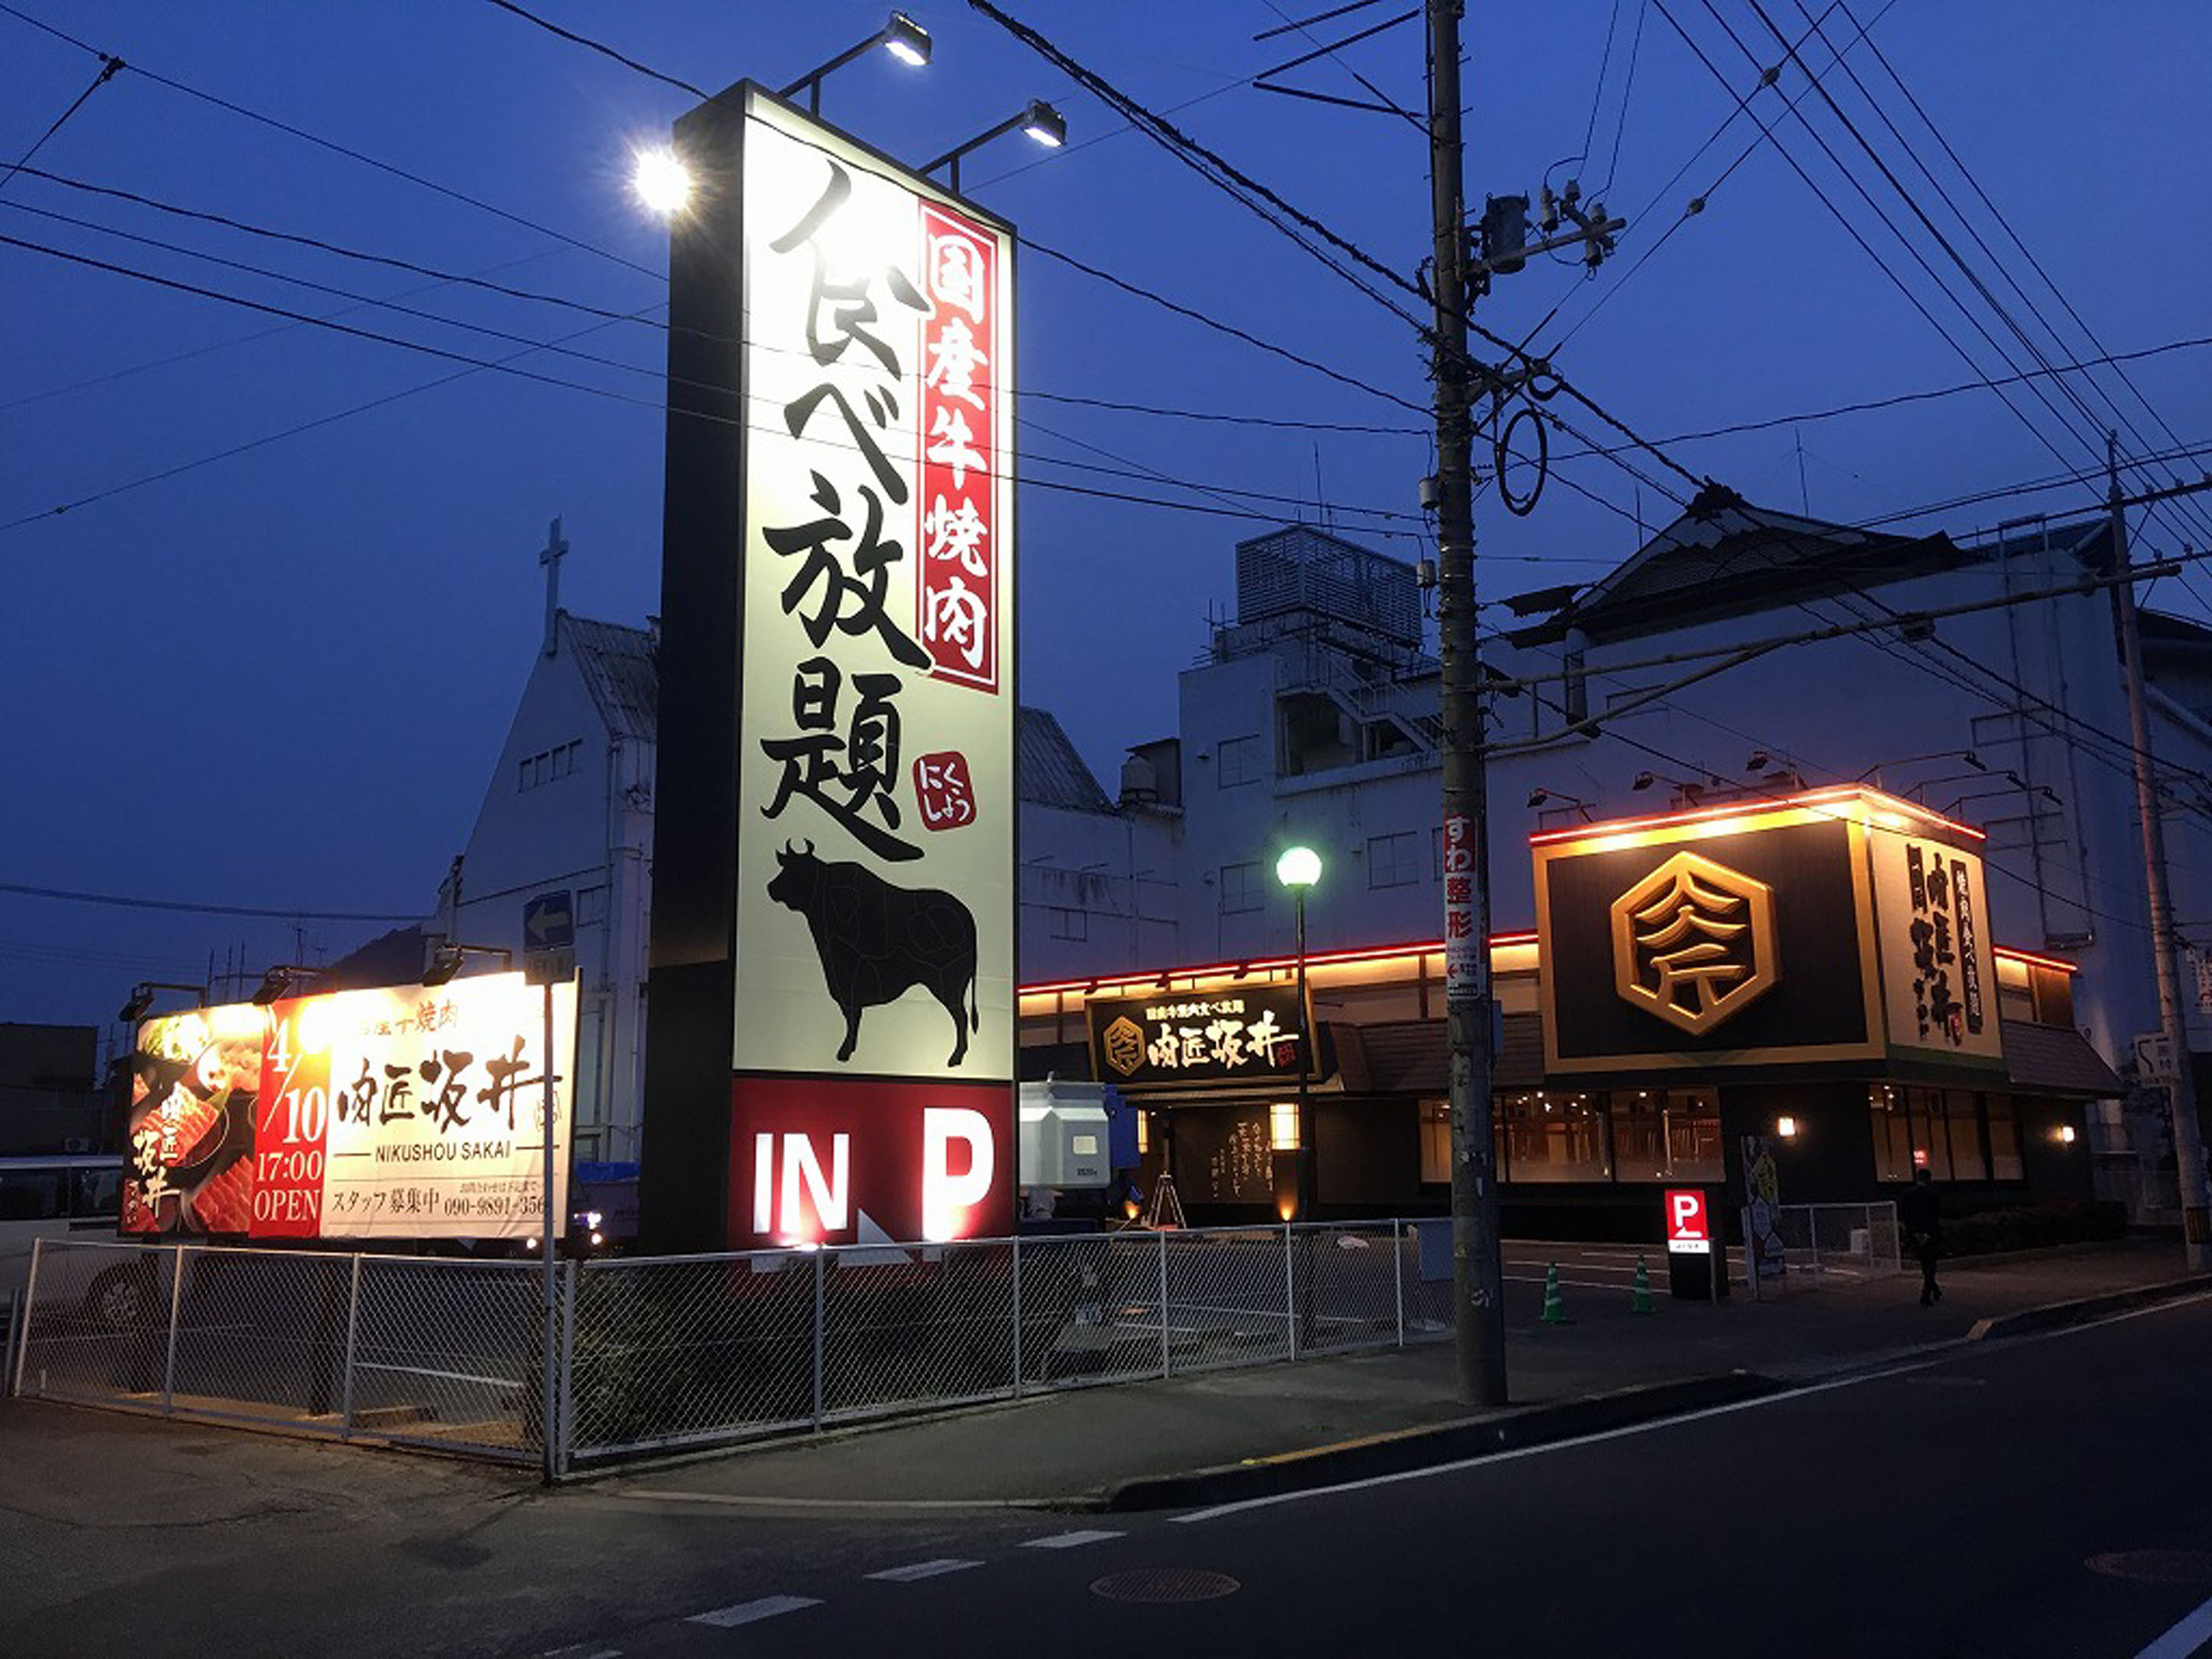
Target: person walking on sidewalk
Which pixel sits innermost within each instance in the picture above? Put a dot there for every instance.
(1921, 1212)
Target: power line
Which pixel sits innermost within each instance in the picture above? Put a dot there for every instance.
(338, 149)
(108, 68)
(605, 51)
(119, 900)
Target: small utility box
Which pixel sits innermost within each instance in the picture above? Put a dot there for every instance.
(1064, 1130)
(1697, 1268)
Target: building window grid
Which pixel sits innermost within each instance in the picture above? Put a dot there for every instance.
(1392, 860)
(1063, 923)
(537, 771)
(1242, 890)
(1236, 759)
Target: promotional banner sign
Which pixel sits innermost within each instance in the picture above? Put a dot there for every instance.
(1249, 1034)
(1938, 960)
(405, 1112)
(874, 921)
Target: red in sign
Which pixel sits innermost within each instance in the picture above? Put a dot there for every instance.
(1689, 1223)
(947, 795)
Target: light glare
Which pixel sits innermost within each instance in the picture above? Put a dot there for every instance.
(662, 182)
(1299, 866)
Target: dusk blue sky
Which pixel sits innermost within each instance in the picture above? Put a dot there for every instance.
(281, 679)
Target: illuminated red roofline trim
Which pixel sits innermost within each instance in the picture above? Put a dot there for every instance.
(1734, 809)
(1362, 953)
(2035, 960)
(1268, 964)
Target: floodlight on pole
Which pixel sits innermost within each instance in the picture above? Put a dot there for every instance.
(446, 960)
(661, 181)
(1041, 121)
(142, 998)
(276, 984)
(902, 37)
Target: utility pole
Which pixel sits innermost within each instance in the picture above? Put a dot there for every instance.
(1478, 1271)
(2181, 1089)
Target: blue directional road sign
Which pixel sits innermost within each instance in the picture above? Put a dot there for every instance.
(549, 939)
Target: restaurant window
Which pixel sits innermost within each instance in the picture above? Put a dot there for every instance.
(1553, 1135)
(1912, 1130)
(1436, 1139)
(1891, 1116)
(1962, 1127)
(1666, 1135)
(2003, 1114)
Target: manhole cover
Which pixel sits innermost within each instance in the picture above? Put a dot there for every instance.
(2155, 1566)
(1160, 1584)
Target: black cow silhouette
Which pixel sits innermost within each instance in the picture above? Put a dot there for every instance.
(876, 941)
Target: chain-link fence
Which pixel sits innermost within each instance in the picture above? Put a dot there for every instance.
(396, 1348)
(1837, 1243)
(655, 1353)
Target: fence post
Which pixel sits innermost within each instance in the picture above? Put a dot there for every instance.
(176, 1304)
(23, 1317)
(1398, 1272)
(568, 1360)
(820, 1345)
(1812, 1237)
(1018, 1315)
(1163, 1303)
(1290, 1290)
(353, 1334)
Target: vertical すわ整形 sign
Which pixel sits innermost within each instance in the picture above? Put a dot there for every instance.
(872, 984)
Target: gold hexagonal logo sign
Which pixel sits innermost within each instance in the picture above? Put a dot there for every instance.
(1124, 1043)
(1694, 943)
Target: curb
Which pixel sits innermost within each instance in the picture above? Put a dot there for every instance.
(2055, 1315)
(1421, 1448)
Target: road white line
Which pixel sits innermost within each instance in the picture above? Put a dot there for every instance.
(752, 1612)
(1953, 1352)
(2184, 1638)
(907, 1575)
(1068, 1541)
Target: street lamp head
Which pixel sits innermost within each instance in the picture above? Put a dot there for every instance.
(1642, 781)
(142, 999)
(906, 39)
(1537, 797)
(1045, 124)
(1299, 868)
(274, 984)
(661, 181)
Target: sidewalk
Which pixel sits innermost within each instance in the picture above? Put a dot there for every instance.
(1140, 1444)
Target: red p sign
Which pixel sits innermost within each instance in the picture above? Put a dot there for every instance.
(1689, 1223)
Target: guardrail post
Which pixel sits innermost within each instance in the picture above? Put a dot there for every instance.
(1290, 1290)
(820, 1345)
(1398, 1272)
(1018, 1315)
(23, 1315)
(176, 1306)
(353, 1333)
(1164, 1361)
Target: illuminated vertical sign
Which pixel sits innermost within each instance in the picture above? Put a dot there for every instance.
(1938, 969)
(874, 892)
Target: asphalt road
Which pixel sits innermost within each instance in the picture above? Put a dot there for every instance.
(2038, 1496)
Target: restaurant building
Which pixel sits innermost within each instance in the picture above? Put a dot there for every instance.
(1816, 968)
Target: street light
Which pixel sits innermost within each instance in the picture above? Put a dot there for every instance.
(1299, 869)
(1539, 796)
(142, 998)
(1041, 121)
(446, 960)
(902, 37)
(661, 181)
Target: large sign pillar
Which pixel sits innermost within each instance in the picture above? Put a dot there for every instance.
(830, 1049)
